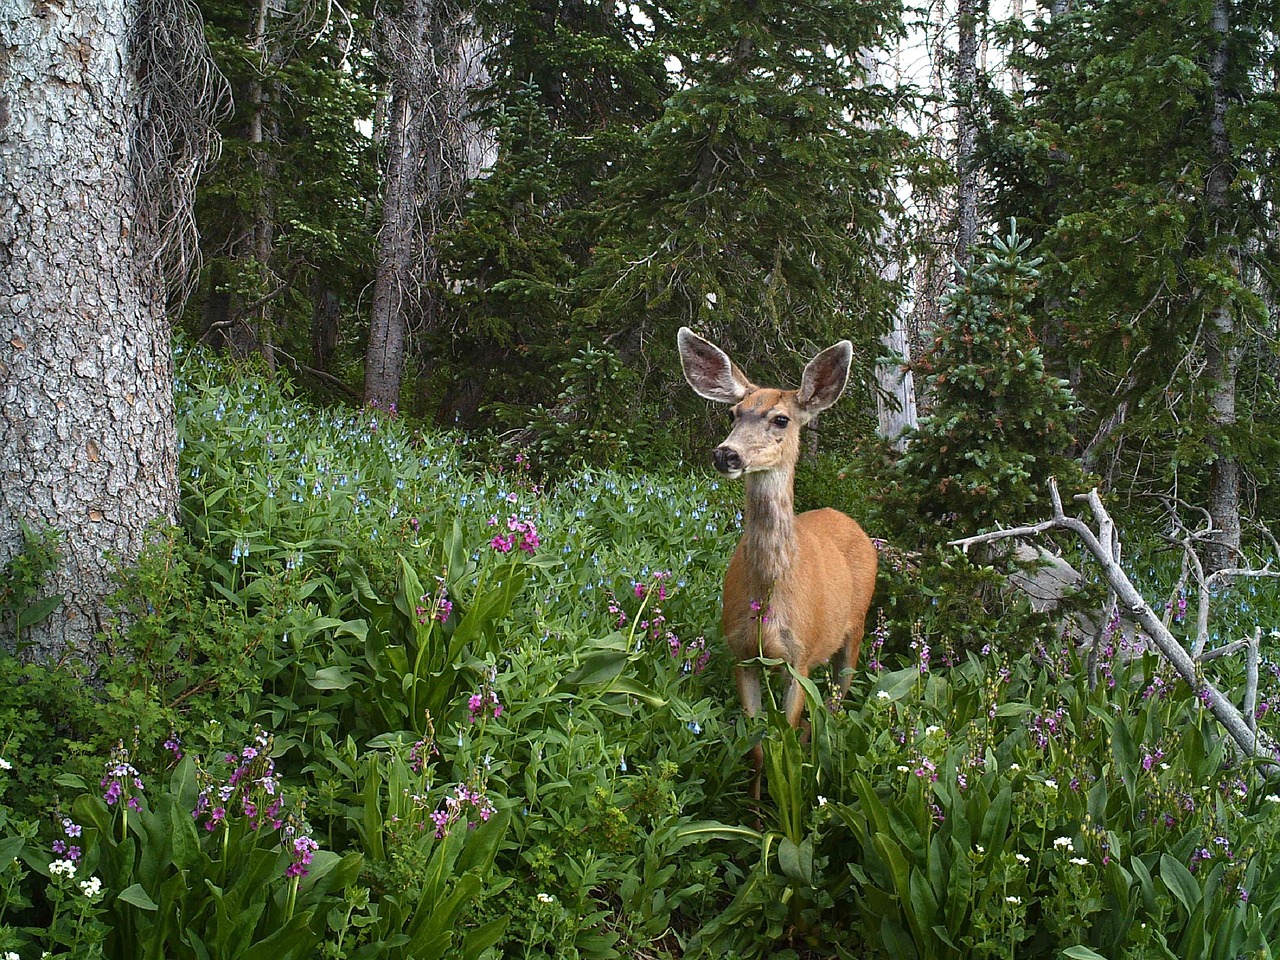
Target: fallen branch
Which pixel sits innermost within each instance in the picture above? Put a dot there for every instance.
(1102, 545)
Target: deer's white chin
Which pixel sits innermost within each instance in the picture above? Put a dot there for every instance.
(731, 474)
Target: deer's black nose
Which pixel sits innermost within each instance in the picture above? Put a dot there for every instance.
(726, 459)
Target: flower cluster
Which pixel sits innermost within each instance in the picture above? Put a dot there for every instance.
(921, 647)
(61, 847)
(468, 800)
(174, 745)
(761, 610)
(253, 787)
(878, 638)
(121, 780)
(484, 703)
(301, 850)
(436, 606)
(421, 753)
(1047, 726)
(520, 533)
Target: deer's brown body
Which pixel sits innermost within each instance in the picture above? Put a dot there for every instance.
(798, 587)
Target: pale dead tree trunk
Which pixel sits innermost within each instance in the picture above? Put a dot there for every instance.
(426, 51)
(263, 219)
(896, 393)
(965, 93)
(93, 211)
(895, 385)
(1222, 347)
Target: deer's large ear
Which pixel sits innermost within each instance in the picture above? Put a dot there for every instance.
(825, 377)
(709, 370)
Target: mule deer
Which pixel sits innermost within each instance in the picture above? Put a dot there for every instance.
(798, 587)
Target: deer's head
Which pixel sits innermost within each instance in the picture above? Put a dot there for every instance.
(766, 422)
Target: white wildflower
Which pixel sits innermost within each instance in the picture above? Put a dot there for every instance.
(1064, 843)
(63, 868)
(91, 887)
(930, 730)
(546, 898)
(1012, 899)
(1273, 798)
(822, 801)
(980, 848)
(1080, 861)
(1051, 784)
(903, 768)
(5, 764)
(1022, 858)
(883, 695)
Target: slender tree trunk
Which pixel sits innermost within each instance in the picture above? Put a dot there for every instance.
(1222, 339)
(966, 84)
(87, 430)
(264, 213)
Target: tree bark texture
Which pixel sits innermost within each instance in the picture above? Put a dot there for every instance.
(394, 265)
(87, 439)
(431, 54)
(966, 96)
(1222, 349)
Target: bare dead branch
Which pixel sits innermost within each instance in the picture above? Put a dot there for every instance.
(1251, 743)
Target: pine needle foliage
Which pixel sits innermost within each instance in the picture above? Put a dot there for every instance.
(999, 426)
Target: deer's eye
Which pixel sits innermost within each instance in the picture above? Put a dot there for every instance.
(781, 421)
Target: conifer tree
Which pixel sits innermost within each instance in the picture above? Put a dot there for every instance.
(998, 426)
(1143, 159)
(756, 213)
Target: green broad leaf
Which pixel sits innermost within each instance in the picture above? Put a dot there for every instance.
(633, 688)
(409, 590)
(1122, 745)
(899, 942)
(602, 667)
(700, 831)
(477, 941)
(230, 595)
(10, 847)
(1180, 881)
(1014, 709)
(995, 822)
(796, 860)
(330, 678)
(136, 896)
(353, 628)
(897, 684)
(1081, 952)
(38, 611)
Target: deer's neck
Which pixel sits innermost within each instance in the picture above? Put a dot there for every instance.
(769, 524)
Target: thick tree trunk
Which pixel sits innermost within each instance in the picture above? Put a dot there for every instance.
(87, 429)
(1222, 339)
(394, 279)
(430, 54)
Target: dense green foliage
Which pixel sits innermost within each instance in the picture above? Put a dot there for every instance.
(999, 428)
(364, 638)
(1109, 162)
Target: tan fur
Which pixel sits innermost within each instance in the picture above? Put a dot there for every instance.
(810, 577)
